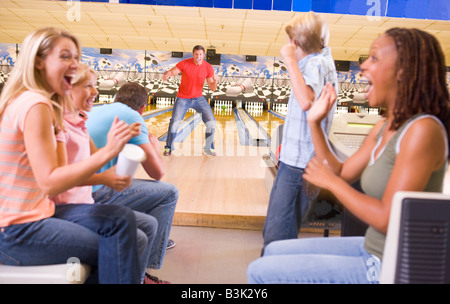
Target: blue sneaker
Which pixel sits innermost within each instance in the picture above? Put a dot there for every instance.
(170, 244)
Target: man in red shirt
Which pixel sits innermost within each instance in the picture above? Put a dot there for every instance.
(190, 95)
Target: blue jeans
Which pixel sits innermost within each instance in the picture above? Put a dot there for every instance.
(147, 227)
(101, 236)
(287, 204)
(337, 260)
(155, 198)
(180, 108)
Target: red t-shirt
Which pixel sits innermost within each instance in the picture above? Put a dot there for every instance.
(193, 77)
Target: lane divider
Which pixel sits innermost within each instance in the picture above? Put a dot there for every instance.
(277, 114)
(155, 113)
(244, 137)
(187, 126)
(257, 137)
(260, 129)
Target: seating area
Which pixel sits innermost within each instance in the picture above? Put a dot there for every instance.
(70, 273)
(416, 250)
(418, 240)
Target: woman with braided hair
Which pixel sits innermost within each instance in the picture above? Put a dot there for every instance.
(406, 73)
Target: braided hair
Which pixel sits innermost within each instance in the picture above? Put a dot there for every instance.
(422, 84)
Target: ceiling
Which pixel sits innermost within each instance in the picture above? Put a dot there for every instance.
(171, 28)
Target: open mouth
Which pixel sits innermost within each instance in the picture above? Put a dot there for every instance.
(369, 89)
(68, 79)
(90, 102)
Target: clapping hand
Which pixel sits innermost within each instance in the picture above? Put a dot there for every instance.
(322, 106)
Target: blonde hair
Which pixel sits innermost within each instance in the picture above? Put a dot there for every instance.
(309, 31)
(25, 76)
(83, 73)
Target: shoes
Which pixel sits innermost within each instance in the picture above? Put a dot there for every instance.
(149, 279)
(209, 152)
(167, 152)
(170, 244)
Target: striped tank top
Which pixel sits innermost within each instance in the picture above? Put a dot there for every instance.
(21, 199)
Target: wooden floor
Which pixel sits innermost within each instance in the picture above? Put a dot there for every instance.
(225, 191)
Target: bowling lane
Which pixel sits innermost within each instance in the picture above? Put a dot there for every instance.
(227, 141)
(204, 183)
(158, 124)
(225, 138)
(266, 120)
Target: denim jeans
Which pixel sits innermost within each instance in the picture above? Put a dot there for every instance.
(155, 198)
(180, 108)
(101, 236)
(337, 260)
(147, 226)
(287, 204)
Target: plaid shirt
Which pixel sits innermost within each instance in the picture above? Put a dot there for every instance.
(297, 147)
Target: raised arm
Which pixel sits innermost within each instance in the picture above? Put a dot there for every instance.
(172, 72)
(352, 168)
(411, 171)
(303, 93)
(317, 113)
